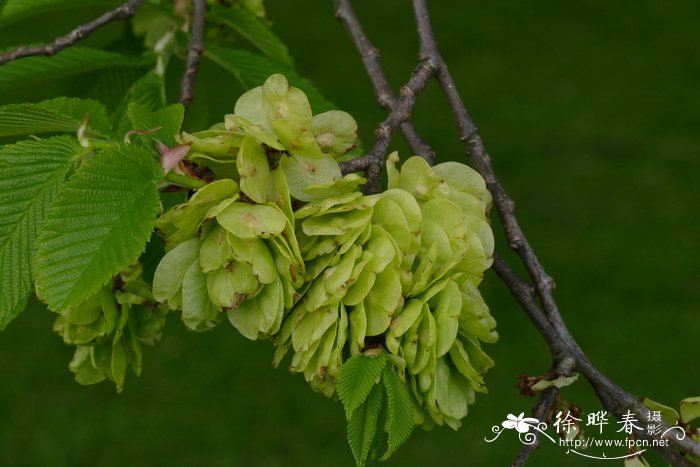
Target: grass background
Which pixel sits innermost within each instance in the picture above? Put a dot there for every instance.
(590, 111)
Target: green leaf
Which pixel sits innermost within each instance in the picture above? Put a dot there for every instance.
(400, 423)
(356, 378)
(14, 10)
(251, 70)
(363, 424)
(245, 23)
(99, 224)
(169, 120)
(31, 173)
(63, 114)
(109, 86)
(148, 92)
(33, 70)
(690, 409)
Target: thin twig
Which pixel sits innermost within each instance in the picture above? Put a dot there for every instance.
(194, 52)
(76, 35)
(385, 95)
(545, 315)
(619, 401)
(540, 411)
(372, 163)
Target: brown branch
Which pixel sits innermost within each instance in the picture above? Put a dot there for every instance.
(549, 396)
(536, 300)
(76, 35)
(401, 112)
(194, 52)
(385, 95)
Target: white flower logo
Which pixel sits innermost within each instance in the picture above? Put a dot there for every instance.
(521, 423)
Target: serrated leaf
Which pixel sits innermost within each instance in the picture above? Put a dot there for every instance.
(363, 425)
(14, 10)
(168, 120)
(63, 114)
(245, 23)
(148, 92)
(31, 174)
(252, 69)
(99, 224)
(71, 61)
(356, 379)
(399, 425)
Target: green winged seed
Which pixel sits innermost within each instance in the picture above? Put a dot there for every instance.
(411, 312)
(82, 368)
(171, 270)
(198, 312)
(297, 140)
(447, 311)
(336, 223)
(223, 144)
(252, 221)
(384, 250)
(278, 192)
(86, 312)
(475, 318)
(480, 361)
(460, 359)
(427, 337)
(363, 282)
(283, 102)
(254, 170)
(259, 316)
(335, 204)
(215, 251)
(418, 178)
(336, 187)
(381, 302)
(462, 178)
(409, 343)
(444, 226)
(393, 174)
(357, 320)
(337, 278)
(312, 326)
(401, 221)
(335, 131)
(304, 171)
(250, 106)
(238, 123)
(453, 392)
(690, 409)
(182, 222)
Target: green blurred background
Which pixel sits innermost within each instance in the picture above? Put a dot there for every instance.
(590, 111)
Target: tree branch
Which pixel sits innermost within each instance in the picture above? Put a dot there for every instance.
(536, 300)
(194, 52)
(385, 95)
(540, 411)
(76, 35)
